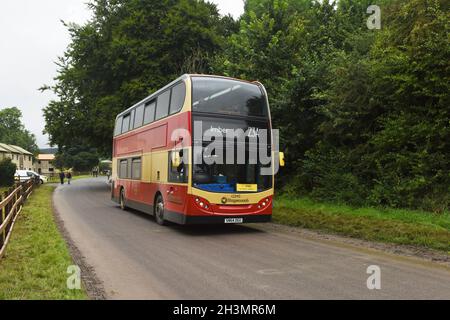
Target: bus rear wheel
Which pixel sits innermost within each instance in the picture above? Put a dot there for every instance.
(122, 200)
(159, 211)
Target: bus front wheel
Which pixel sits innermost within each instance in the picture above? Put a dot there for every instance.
(159, 210)
(122, 200)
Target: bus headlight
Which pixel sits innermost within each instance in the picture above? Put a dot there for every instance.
(264, 203)
(202, 203)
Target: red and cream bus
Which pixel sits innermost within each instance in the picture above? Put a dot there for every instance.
(160, 165)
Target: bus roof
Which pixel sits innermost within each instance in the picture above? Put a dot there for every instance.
(183, 77)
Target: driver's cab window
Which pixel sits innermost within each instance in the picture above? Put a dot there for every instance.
(178, 166)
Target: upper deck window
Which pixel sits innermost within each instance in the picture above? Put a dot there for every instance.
(162, 107)
(226, 96)
(178, 97)
(149, 115)
(126, 123)
(118, 129)
(139, 117)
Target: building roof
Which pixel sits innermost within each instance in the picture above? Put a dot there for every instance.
(21, 150)
(13, 149)
(8, 148)
(46, 157)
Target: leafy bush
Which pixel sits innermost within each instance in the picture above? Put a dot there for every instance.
(330, 177)
(7, 171)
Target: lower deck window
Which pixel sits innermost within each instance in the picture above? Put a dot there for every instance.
(130, 169)
(123, 169)
(136, 169)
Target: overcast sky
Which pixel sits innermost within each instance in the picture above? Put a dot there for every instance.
(31, 38)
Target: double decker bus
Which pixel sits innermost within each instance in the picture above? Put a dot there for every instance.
(162, 162)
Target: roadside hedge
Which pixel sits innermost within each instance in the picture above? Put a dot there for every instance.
(7, 171)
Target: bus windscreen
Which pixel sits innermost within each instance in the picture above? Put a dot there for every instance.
(226, 178)
(228, 97)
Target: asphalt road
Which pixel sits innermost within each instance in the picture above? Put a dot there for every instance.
(137, 259)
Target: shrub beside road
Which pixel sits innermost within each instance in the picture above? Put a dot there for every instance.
(36, 261)
(407, 227)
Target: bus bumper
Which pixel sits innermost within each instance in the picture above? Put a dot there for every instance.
(222, 220)
(216, 219)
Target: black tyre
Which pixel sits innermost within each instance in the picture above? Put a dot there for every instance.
(159, 210)
(122, 200)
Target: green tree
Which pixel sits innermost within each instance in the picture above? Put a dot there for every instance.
(84, 161)
(12, 131)
(129, 49)
(386, 113)
(78, 158)
(363, 113)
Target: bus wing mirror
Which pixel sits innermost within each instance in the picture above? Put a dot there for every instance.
(282, 162)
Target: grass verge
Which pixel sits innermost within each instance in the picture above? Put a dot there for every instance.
(398, 226)
(37, 258)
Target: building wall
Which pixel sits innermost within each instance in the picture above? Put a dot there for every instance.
(22, 162)
(15, 159)
(44, 167)
(26, 162)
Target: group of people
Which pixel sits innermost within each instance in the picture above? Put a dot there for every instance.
(63, 176)
(68, 175)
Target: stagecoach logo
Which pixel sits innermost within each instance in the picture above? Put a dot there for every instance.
(235, 199)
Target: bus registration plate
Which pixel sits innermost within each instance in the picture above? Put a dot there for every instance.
(234, 220)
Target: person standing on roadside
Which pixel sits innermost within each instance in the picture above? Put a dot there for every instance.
(69, 177)
(61, 177)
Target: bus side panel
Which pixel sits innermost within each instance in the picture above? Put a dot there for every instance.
(175, 198)
(141, 196)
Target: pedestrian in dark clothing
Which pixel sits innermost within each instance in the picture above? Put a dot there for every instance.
(61, 177)
(69, 177)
